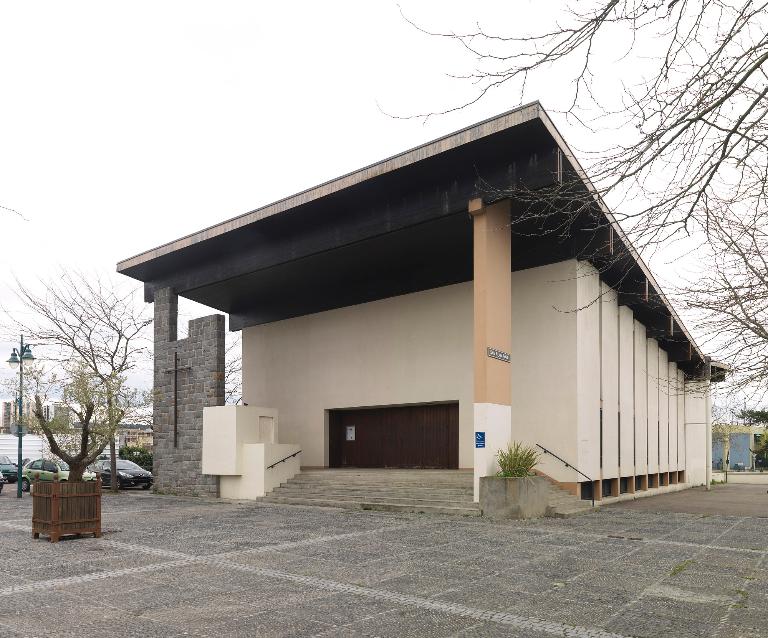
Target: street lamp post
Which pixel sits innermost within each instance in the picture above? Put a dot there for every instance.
(17, 360)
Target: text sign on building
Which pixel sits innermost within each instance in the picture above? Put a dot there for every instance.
(350, 433)
(479, 439)
(493, 353)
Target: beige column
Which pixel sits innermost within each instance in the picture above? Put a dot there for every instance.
(492, 333)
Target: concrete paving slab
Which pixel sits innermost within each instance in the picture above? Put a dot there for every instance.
(721, 500)
(172, 567)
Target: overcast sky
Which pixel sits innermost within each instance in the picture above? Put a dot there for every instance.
(127, 125)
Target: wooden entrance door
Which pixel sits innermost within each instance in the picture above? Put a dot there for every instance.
(413, 436)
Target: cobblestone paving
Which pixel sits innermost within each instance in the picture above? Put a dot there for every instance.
(192, 567)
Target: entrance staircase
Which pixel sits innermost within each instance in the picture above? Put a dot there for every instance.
(422, 491)
(563, 504)
(425, 491)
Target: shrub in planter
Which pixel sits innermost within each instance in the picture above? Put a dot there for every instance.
(515, 491)
(517, 460)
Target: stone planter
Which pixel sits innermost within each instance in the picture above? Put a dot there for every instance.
(502, 497)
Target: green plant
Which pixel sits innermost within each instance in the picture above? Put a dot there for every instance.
(517, 460)
(681, 567)
(139, 455)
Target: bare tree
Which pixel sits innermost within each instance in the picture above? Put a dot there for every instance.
(688, 153)
(233, 370)
(730, 297)
(692, 107)
(11, 210)
(87, 322)
(86, 398)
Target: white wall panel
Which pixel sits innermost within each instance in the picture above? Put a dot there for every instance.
(663, 411)
(653, 405)
(588, 368)
(696, 432)
(626, 392)
(641, 399)
(673, 421)
(609, 379)
(681, 439)
(544, 363)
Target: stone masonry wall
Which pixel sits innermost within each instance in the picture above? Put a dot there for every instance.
(200, 364)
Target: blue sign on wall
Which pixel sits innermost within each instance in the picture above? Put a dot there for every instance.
(479, 439)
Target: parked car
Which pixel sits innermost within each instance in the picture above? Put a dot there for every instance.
(8, 469)
(44, 469)
(129, 474)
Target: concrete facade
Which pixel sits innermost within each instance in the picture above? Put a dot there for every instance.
(188, 376)
(574, 352)
(697, 441)
(409, 349)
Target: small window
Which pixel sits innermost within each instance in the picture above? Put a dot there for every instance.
(49, 466)
(36, 465)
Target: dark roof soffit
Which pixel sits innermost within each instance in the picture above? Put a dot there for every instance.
(488, 127)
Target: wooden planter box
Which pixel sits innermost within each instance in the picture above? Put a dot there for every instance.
(65, 509)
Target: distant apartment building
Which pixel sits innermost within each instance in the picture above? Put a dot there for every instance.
(739, 454)
(6, 416)
(135, 435)
(9, 413)
(59, 412)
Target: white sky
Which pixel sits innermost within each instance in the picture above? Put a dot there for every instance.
(127, 125)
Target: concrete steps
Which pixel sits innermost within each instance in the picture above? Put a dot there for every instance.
(563, 504)
(422, 491)
(472, 509)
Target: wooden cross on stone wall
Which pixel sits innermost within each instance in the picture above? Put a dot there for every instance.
(175, 372)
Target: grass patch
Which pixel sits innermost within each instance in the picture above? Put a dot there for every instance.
(742, 603)
(681, 567)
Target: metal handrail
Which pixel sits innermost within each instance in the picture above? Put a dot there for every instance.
(290, 456)
(567, 464)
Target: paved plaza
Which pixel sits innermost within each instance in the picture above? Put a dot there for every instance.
(190, 567)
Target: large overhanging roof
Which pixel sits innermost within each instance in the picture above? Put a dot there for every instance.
(400, 226)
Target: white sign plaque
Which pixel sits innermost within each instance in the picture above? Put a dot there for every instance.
(350, 433)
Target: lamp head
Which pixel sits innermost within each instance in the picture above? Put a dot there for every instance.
(27, 356)
(14, 359)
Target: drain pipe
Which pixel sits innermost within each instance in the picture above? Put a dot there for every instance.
(708, 417)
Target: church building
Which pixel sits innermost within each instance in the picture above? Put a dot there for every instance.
(425, 311)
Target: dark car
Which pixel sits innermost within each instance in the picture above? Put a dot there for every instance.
(8, 469)
(128, 474)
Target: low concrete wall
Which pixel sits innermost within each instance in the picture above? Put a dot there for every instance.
(514, 497)
(256, 480)
(240, 444)
(748, 478)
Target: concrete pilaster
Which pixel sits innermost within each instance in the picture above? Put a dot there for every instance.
(492, 332)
